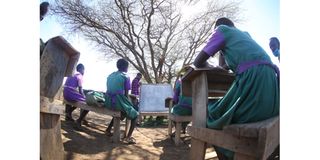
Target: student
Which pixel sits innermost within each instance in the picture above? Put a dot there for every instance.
(274, 45)
(116, 97)
(73, 92)
(182, 104)
(254, 95)
(135, 87)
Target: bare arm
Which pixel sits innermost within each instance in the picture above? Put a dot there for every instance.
(216, 43)
(201, 60)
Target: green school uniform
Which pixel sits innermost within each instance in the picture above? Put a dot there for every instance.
(184, 106)
(116, 82)
(254, 95)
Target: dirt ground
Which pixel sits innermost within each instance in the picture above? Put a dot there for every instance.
(91, 143)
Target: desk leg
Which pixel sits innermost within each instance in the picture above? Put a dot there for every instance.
(199, 112)
(169, 126)
(51, 146)
(116, 127)
(198, 149)
(178, 133)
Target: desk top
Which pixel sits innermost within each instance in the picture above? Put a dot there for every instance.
(219, 80)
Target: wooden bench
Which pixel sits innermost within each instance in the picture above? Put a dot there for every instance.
(58, 60)
(178, 121)
(249, 141)
(103, 110)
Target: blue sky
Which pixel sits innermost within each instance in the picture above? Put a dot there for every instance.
(261, 21)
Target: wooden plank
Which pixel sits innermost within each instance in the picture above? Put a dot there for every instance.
(177, 134)
(197, 154)
(51, 106)
(269, 137)
(199, 112)
(219, 138)
(72, 53)
(116, 127)
(199, 100)
(51, 146)
(169, 127)
(249, 129)
(98, 109)
(51, 74)
(216, 77)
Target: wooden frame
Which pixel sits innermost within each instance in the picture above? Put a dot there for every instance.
(178, 120)
(249, 141)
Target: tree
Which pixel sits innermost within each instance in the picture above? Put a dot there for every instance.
(152, 35)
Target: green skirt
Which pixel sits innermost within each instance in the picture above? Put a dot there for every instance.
(253, 96)
(122, 104)
(181, 111)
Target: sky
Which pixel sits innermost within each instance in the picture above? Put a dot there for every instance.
(261, 21)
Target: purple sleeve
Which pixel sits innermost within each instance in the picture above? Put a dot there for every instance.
(216, 43)
(127, 84)
(177, 92)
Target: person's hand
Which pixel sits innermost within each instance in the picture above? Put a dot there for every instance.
(205, 65)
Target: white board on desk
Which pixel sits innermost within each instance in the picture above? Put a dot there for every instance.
(152, 97)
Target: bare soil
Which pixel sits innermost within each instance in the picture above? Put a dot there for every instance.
(91, 143)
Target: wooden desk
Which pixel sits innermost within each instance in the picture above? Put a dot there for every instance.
(201, 84)
(249, 141)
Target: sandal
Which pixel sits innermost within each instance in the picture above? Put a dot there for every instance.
(130, 140)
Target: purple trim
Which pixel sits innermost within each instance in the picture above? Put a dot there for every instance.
(113, 95)
(246, 65)
(127, 84)
(216, 43)
(176, 92)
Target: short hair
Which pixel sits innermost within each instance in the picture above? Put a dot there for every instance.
(43, 7)
(224, 21)
(122, 64)
(276, 40)
(80, 66)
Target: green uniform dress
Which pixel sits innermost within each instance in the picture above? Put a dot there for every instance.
(115, 98)
(184, 105)
(254, 94)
